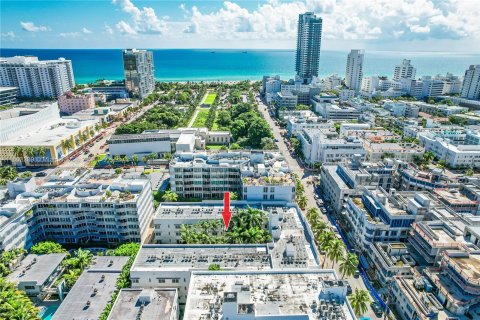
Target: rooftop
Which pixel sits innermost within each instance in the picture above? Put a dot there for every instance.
(266, 293)
(179, 257)
(454, 197)
(36, 268)
(92, 291)
(145, 304)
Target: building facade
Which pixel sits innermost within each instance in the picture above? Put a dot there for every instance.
(309, 37)
(71, 103)
(404, 70)
(139, 72)
(471, 83)
(354, 70)
(35, 78)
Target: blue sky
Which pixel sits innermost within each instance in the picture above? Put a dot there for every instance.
(403, 25)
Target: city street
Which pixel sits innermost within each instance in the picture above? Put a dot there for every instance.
(309, 193)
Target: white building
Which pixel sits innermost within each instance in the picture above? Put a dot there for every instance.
(139, 72)
(404, 70)
(332, 111)
(461, 155)
(332, 82)
(8, 95)
(98, 206)
(253, 175)
(347, 94)
(161, 142)
(307, 120)
(346, 128)
(471, 83)
(326, 147)
(394, 150)
(401, 109)
(34, 78)
(309, 38)
(354, 70)
(14, 231)
(370, 84)
(240, 295)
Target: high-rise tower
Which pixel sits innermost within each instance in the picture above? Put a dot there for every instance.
(308, 46)
(139, 72)
(354, 70)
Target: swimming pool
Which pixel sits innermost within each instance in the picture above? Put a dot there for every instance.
(47, 312)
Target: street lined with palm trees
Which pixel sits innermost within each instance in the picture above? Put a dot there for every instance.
(333, 249)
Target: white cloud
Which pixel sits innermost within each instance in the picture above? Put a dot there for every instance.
(86, 31)
(31, 27)
(69, 34)
(125, 28)
(143, 21)
(108, 29)
(10, 35)
(342, 20)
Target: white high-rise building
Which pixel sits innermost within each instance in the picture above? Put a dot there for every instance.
(139, 72)
(35, 78)
(471, 83)
(309, 39)
(354, 70)
(404, 70)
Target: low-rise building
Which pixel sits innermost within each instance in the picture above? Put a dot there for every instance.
(457, 201)
(285, 99)
(413, 299)
(324, 146)
(431, 238)
(161, 142)
(393, 150)
(309, 121)
(338, 182)
(410, 178)
(346, 128)
(401, 109)
(276, 294)
(135, 304)
(8, 95)
(99, 206)
(93, 290)
(440, 109)
(457, 282)
(14, 217)
(389, 260)
(254, 175)
(37, 272)
(70, 103)
(331, 111)
(378, 216)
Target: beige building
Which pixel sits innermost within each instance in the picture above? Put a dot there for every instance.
(70, 103)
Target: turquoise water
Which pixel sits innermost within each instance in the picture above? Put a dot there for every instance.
(213, 64)
(48, 312)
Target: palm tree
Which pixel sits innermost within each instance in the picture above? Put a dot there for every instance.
(167, 156)
(318, 228)
(429, 156)
(170, 196)
(252, 235)
(124, 160)
(187, 234)
(41, 151)
(302, 201)
(84, 258)
(469, 172)
(324, 241)
(144, 159)
(117, 158)
(442, 164)
(335, 251)
(84, 136)
(312, 214)
(110, 161)
(254, 217)
(348, 265)
(135, 161)
(67, 145)
(19, 152)
(359, 301)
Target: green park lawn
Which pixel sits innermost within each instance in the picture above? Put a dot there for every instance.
(210, 98)
(200, 119)
(100, 157)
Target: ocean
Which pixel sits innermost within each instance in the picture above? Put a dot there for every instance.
(221, 64)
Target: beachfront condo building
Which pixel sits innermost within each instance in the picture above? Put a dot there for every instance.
(139, 72)
(309, 39)
(404, 70)
(354, 70)
(471, 83)
(35, 78)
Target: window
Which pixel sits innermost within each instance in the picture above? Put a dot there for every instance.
(135, 280)
(161, 280)
(176, 280)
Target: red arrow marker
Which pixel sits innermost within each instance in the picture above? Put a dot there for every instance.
(226, 214)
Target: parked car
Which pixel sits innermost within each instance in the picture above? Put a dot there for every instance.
(349, 289)
(41, 174)
(376, 309)
(356, 274)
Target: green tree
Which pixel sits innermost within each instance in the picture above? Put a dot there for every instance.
(238, 129)
(234, 196)
(235, 146)
(324, 241)
(268, 144)
(67, 145)
(118, 171)
(428, 156)
(359, 301)
(47, 247)
(167, 156)
(335, 251)
(14, 304)
(19, 152)
(135, 161)
(8, 173)
(258, 129)
(348, 264)
(170, 196)
(84, 257)
(214, 267)
(302, 201)
(469, 172)
(442, 164)
(312, 214)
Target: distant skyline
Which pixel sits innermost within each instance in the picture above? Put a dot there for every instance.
(401, 25)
